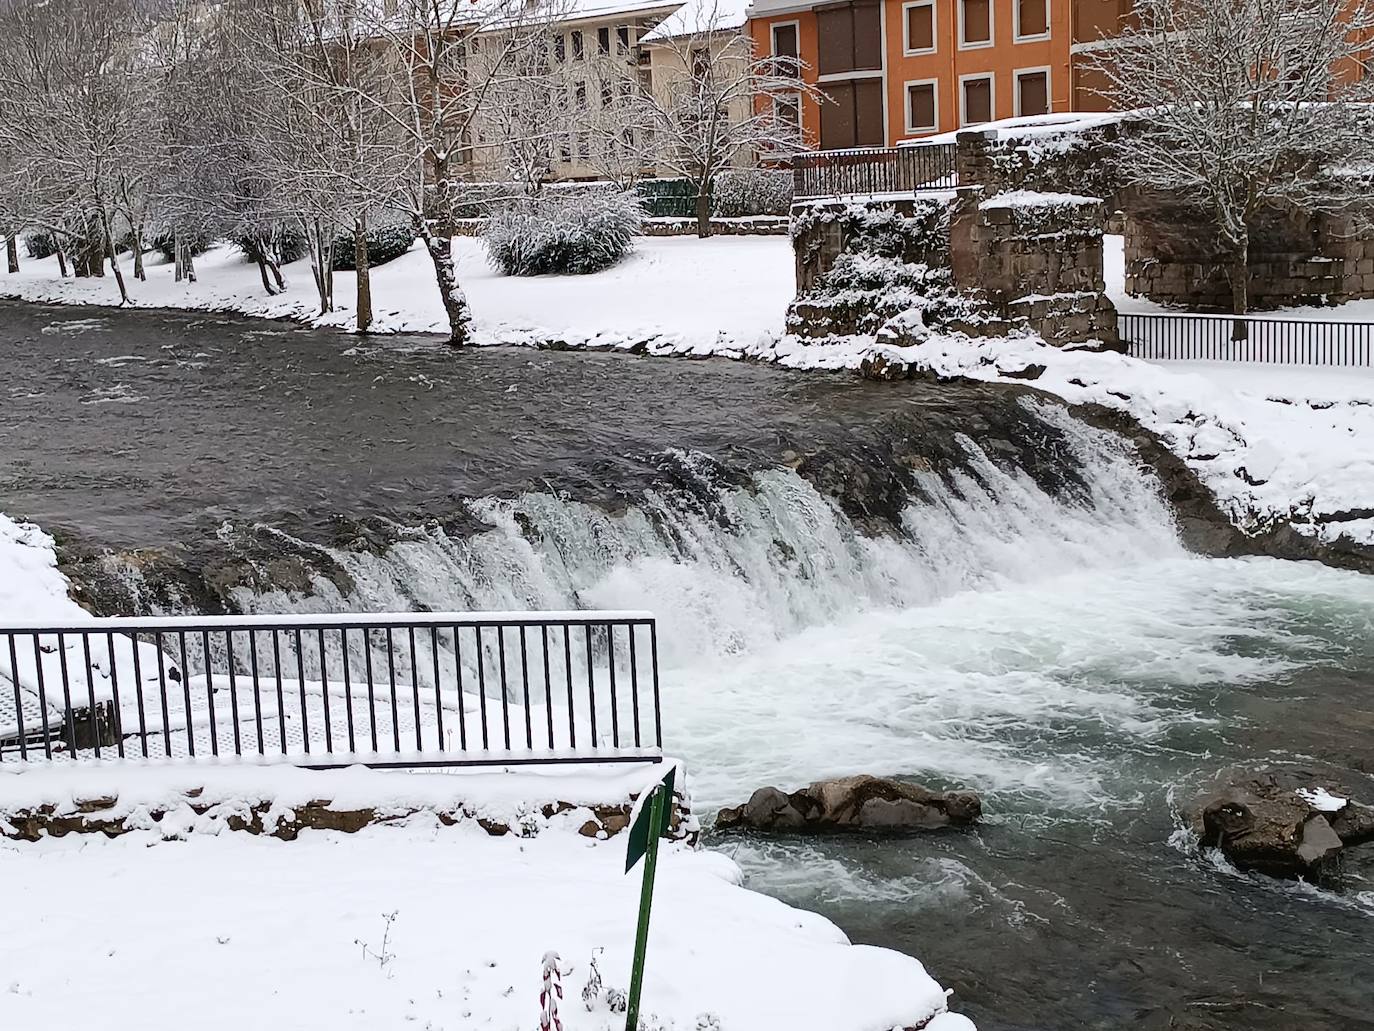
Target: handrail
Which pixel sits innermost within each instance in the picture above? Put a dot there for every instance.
(327, 690)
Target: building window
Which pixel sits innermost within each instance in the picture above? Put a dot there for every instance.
(560, 49)
(580, 95)
(785, 50)
(1032, 19)
(918, 19)
(922, 106)
(603, 40)
(849, 38)
(607, 97)
(975, 23)
(577, 51)
(622, 36)
(787, 110)
(1033, 92)
(975, 99)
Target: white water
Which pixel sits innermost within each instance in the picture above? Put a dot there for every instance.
(1023, 645)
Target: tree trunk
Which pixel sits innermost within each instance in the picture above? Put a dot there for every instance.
(446, 275)
(321, 262)
(12, 253)
(188, 262)
(1240, 286)
(364, 304)
(61, 259)
(704, 209)
(178, 269)
(114, 258)
(262, 270)
(137, 241)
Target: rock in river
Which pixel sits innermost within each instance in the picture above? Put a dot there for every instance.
(853, 803)
(1285, 823)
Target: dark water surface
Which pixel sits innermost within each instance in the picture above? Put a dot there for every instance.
(142, 426)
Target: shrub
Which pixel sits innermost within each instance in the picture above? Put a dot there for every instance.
(40, 245)
(577, 234)
(384, 243)
(164, 243)
(752, 191)
(291, 244)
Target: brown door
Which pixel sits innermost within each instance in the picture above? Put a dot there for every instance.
(1033, 93)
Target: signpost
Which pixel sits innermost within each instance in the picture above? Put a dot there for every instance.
(652, 822)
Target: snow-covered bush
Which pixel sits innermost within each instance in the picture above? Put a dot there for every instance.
(289, 242)
(40, 245)
(752, 191)
(577, 234)
(165, 244)
(384, 243)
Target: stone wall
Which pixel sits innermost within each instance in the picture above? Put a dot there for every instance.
(1043, 160)
(1173, 256)
(1037, 259)
(964, 260)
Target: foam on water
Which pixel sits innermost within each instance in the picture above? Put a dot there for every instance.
(1048, 649)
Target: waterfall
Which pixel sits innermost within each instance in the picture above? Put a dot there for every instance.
(730, 569)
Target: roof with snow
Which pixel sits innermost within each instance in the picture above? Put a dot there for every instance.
(700, 16)
(1029, 127)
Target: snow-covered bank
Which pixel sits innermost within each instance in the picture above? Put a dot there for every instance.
(247, 932)
(679, 292)
(1269, 455)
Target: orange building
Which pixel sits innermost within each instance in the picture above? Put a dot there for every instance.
(897, 70)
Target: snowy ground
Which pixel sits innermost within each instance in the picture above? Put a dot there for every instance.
(181, 917)
(679, 292)
(234, 931)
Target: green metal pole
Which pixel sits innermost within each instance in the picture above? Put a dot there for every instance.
(646, 898)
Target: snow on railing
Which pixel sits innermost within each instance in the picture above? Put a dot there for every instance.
(388, 690)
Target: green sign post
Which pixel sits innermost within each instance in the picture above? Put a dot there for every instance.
(652, 823)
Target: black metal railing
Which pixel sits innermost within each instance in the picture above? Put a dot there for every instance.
(870, 170)
(396, 690)
(1262, 339)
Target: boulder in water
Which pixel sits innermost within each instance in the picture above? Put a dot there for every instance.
(853, 803)
(1284, 823)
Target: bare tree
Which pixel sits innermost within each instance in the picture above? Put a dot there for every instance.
(453, 59)
(717, 103)
(73, 101)
(1243, 106)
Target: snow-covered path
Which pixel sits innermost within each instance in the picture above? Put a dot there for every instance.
(693, 294)
(233, 931)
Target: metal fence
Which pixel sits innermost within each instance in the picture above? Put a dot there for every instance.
(395, 690)
(1271, 340)
(869, 170)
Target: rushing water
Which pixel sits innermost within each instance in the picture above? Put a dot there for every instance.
(1059, 652)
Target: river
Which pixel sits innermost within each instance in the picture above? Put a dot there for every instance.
(1043, 639)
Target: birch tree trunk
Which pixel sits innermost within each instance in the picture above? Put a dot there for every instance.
(440, 250)
(12, 253)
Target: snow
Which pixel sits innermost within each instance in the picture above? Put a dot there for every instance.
(243, 931)
(1266, 460)
(677, 293)
(1032, 199)
(502, 793)
(1322, 800)
(699, 16)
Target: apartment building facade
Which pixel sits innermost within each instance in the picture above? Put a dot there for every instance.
(896, 70)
